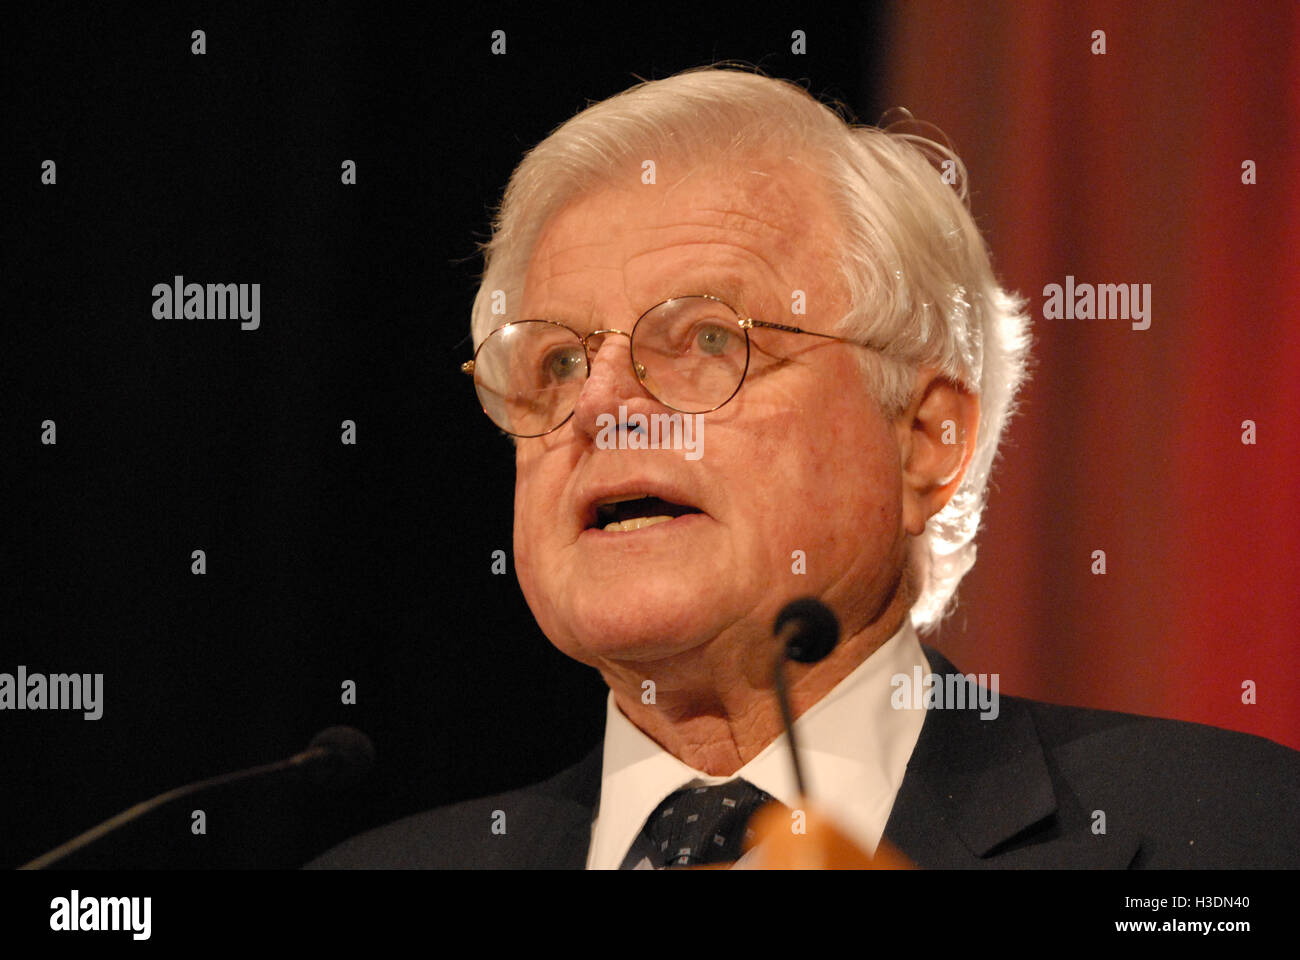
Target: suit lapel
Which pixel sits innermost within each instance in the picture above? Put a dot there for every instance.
(980, 793)
(568, 804)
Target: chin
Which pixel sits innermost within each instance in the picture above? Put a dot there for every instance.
(637, 621)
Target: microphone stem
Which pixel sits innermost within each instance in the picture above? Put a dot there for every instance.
(784, 700)
(145, 806)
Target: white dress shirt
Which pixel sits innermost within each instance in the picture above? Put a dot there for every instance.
(853, 750)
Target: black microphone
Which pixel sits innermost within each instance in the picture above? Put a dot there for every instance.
(807, 630)
(336, 757)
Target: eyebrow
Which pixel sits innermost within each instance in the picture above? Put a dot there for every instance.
(728, 287)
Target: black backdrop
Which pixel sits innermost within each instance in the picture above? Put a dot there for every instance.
(325, 562)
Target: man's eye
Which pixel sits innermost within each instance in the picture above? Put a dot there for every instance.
(713, 339)
(561, 365)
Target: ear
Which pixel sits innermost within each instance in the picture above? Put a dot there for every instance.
(936, 440)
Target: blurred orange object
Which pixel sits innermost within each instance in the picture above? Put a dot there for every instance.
(805, 840)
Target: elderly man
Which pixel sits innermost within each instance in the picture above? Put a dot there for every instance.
(809, 307)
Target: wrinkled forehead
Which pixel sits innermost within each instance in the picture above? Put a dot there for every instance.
(742, 221)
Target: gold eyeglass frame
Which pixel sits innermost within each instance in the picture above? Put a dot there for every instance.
(744, 323)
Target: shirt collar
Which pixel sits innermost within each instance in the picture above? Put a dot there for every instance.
(853, 748)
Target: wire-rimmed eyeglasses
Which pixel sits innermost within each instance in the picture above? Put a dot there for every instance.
(690, 353)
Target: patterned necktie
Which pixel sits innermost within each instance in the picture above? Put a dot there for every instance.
(697, 825)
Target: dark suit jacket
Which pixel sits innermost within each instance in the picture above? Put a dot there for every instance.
(1016, 791)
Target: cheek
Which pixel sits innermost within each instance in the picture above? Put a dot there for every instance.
(853, 490)
(541, 496)
(528, 512)
(820, 500)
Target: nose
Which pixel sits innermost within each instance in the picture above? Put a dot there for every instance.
(597, 338)
(610, 380)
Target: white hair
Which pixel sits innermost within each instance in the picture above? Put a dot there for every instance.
(915, 265)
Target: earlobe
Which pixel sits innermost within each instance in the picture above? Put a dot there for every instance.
(937, 447)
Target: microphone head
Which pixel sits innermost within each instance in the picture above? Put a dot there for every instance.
(350, 756)
(815, 627)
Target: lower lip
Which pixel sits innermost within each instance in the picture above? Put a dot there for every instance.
(676, 524)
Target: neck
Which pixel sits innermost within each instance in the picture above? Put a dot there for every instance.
(715, 707)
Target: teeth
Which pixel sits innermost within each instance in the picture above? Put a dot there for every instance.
(626, 526)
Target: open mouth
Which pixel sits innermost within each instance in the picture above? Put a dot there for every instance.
(636, 512)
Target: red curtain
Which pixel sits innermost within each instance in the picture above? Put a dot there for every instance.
(1127, 167)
